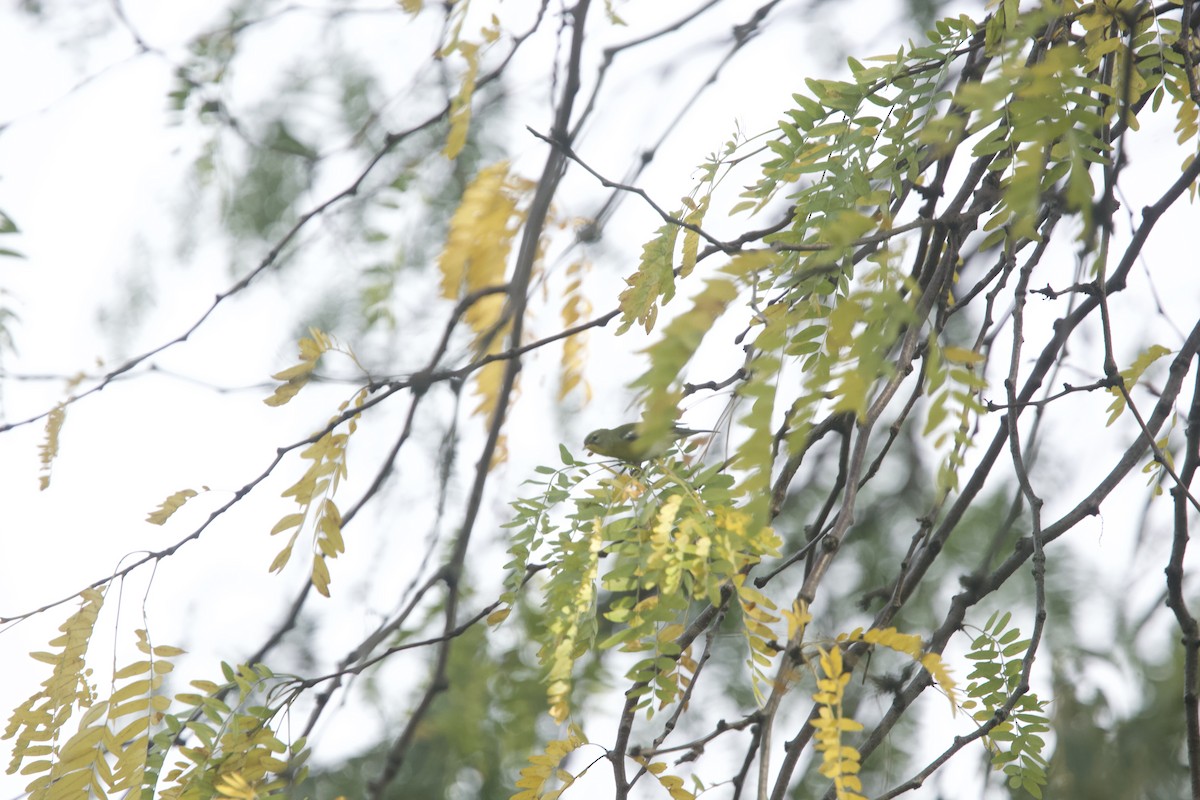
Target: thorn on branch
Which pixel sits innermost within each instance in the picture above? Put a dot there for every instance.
(1053, 294)
(691, 388)
(1108, 382)
(928, 192)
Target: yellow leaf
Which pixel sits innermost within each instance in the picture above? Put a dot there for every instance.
(134, 689)
(315, 344)
(653, 280)
(670, 632)
(477, 245)
(170, 506)
(133, 730)
(488, 382)
(460, 106)
(575, 307)
(48, 450)
(82, 744)
(236, 787)
(691, 239)
(282, 558)
(312, 347)
(136, 668)
(320, 575)
(289, 521)
(844, 227)
(302, 370)
(960, 355)
(285, 392)
(92, 714)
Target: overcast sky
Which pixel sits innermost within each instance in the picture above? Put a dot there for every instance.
(95, 174)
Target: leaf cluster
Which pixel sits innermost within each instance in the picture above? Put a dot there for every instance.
(636, 550)
(123, 737)
(998, 696)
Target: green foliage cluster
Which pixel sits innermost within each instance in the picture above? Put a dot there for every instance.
(639, 550)
(829, 296)
(238, 754)
(998, 696)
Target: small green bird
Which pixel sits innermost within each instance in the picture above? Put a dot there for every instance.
(624, 443)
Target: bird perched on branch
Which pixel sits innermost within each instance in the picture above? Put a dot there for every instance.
(624, 442)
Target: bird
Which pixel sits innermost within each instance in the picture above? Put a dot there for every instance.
(625, 444)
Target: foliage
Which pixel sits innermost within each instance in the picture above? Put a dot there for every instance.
(237, 754)
(670, 539)
(7, 315)
(1016, 716)
(314, 491)
(123, 739)
(850, 296)
(545, 767)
